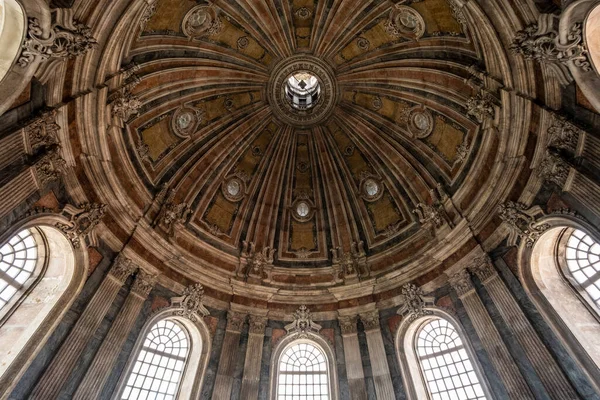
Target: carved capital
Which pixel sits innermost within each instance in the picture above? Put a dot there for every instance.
(235, 321)
(483, 268)
(50, 167)
(348, 324)
(144, 283)
(554, 169)
(122, 267)
(370, 320)
(564, 135)
(253, 263)
(461, 282)
(43, 131)
(257, 324)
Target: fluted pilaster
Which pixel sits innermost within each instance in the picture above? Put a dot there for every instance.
(229, 353)
(64, 362)
(354, 369)
(545, 366)
(379, 365)
(490, 337)
(103, 363)
(251, 379)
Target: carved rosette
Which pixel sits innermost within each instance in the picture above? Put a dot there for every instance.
(303, 324)
(461, 283)
(257, 324)
(122, 267)
(235, 321)
(50, 167)
(144, 283)
(348, 324)
(190, 304)
(370, 320)
(82, 220)
(483, 268)
(415, 305)
(43, 131)
(66, 40)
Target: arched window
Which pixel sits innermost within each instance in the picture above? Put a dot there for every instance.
(582, 255)
(18, 261)
(303, 373)
(160, 364)
(445, 364)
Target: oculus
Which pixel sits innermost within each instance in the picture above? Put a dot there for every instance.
(233, 189)
(302, 91)
(185, 120)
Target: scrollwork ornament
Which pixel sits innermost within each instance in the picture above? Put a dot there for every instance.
(414, 304)
(190, 304)
(303, 324)
(82, 220)
(481, 106)
(522, 222)
(303, 13)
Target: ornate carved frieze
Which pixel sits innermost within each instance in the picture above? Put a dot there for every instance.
(202, 21)
(522, 222)
(190, 304)
(370, 320)
(235, 321)
(66, 39)
(541, 42)
(144, 283)
(257, 324)
(461, 282)
(405, 22)
(415, 304)
(82, 220)
(172, 215)
(483, 268)
(43, 131)
(350, 266)
(303, 324)
(50, 166)
(348, 324)
(122, 267)
(252, 262)
(429, 214)
(481, 106)
(554, 169)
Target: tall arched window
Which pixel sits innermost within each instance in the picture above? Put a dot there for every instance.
(582, 255)
(303, 373)
(160, 364)
(445, 364)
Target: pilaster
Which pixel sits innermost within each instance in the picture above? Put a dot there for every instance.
(229, 353)
(379, 365)
(252, 363)
(354, 369)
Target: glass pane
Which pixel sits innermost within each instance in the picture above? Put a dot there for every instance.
(303, 374)
(583, 261)
(18, 259)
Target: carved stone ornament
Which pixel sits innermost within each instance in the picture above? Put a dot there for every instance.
(363, 43)
(370, 320)
(50, 166)
(253, 262)
(462, 151)
(67, 39)
(371, 186)
(257, 324)
(461, 282)
(554, 169)
(125, 105)
(541, 42)
(303, 324)
(43, 131)
(348, 324)
(350, 266)
(481, 106)
(405, 22)
(564, 135)
(172, 215)
(522, 222)
(235, 321)
(122, 267)
(483, 268)
(303, 13)
(82, 220)
(415, 306)
(234, 188)
(431, 214)
(190, 304)
(185, 120)
(201, 21)
(420, 122)
(144, 283)
(148, 14)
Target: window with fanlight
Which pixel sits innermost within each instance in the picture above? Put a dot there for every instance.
(303, 373)
(445, 364)
(582, 255)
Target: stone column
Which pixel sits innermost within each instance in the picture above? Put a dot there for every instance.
(252, 364)
(490, 337)
(379, 365)
(102, 365)
(59, 370)
(229, 354)
(554, 380)
(354, 369)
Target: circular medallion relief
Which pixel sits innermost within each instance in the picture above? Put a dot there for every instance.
(201, 21)
(420, 122)
(233, 189)
(302, 91)
(302, 210)
(405, 21)
(371, 189)
(185, 120)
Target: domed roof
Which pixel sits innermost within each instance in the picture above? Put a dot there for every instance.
(224, 171)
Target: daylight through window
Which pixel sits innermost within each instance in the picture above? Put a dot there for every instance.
(303, 374)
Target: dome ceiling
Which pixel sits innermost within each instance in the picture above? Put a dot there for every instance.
(237, 180)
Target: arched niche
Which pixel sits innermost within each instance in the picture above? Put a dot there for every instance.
(315, 340)
(197, 359)
(410, 366)
(561, 303)
(35, 312)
